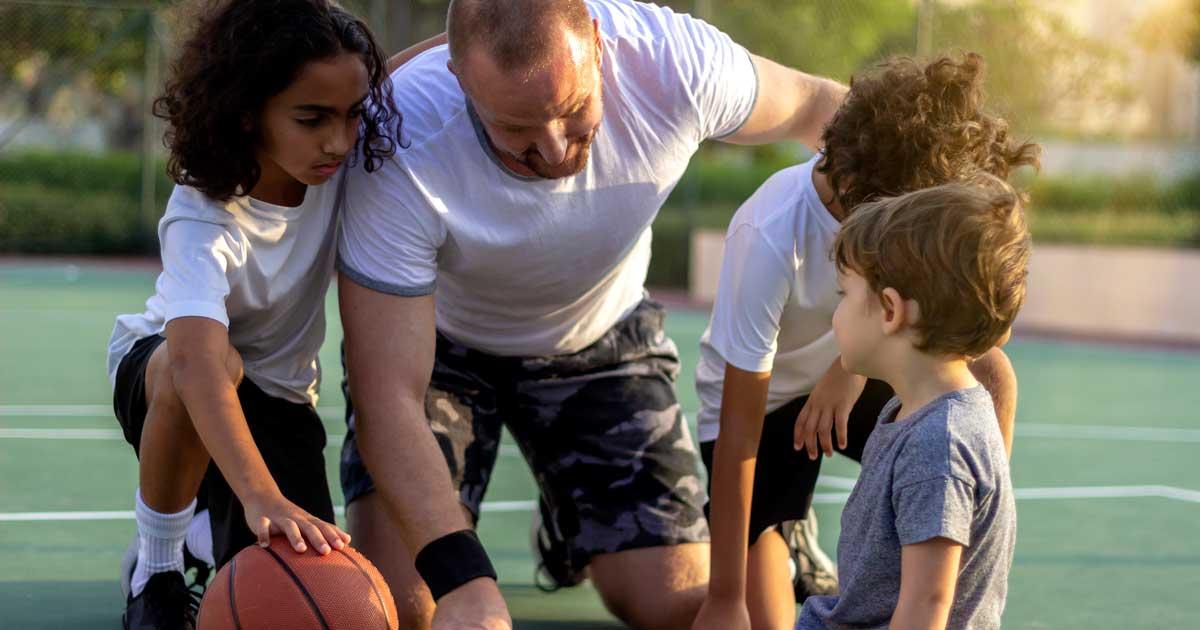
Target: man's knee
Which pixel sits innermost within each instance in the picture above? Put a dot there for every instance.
(655, 587)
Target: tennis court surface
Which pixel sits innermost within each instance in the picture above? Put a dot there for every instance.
(1106, 465)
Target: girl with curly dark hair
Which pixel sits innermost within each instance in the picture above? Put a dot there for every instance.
(215, 384)
(770, 379)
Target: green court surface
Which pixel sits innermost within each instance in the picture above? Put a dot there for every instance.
(1106, 463)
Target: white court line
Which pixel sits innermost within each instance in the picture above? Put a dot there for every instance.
(97, 411)
(29, 433)
(488, 506)
(1023, 494)
(1023, 429)
(1095, 432)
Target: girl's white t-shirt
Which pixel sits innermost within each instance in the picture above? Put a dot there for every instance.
(776, 297)
(259, 269)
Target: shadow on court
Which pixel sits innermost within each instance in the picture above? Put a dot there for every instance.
(45, 605)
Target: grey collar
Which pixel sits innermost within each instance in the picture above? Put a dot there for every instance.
(485, 143)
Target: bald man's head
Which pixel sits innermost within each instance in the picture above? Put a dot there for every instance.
(531, 70)
(517, 35)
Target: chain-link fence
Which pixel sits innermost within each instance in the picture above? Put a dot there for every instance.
(1112, 89)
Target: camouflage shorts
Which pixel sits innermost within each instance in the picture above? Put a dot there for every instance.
(601, 430)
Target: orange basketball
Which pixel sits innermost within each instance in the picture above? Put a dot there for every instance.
(275, 587)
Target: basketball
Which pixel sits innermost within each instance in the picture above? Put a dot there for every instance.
(275, 587)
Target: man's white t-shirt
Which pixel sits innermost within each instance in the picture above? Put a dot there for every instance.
(533, 267)
(259, 269)
(776, 297)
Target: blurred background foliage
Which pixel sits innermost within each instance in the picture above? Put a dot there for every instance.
(1111, 89)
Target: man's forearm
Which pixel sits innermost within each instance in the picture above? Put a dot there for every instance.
(408, 468)
(825, 97)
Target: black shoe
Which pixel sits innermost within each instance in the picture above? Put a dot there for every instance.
(552, 554)
(200, 569)
(814, 573)
(165, 604)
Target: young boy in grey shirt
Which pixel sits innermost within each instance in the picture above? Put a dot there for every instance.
(929, 280)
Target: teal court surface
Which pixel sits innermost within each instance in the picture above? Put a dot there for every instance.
(1106, 465)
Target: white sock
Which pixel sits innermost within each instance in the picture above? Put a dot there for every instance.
(160, 542)
(199, 537)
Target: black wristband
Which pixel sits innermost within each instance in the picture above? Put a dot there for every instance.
(453, 560)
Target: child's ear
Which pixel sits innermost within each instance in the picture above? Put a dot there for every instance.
(895, 311)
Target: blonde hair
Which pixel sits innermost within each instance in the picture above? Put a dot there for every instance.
(960, 250)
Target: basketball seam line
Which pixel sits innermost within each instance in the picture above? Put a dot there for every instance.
(312, 603)
(387, 620)
(237, 623)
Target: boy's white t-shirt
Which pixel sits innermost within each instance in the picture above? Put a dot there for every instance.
(259, 269)
(534, 267)
(776, 297)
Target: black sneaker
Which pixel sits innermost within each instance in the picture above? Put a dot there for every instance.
(199, 569)
(165, 604)
(551, 553)
(813, 571)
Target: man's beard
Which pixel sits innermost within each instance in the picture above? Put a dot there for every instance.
(574, 163)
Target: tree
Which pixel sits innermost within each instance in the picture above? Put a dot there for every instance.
(834, 38)
(1036, 62)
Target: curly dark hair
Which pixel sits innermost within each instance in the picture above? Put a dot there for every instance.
(907, 126)
(239, 54)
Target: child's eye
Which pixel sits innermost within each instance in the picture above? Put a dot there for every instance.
(309, 122)
(841, 293)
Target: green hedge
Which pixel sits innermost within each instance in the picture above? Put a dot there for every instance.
(1131, 193)
(73, 203)
(76, 203)
(36, 219)
(117, 173)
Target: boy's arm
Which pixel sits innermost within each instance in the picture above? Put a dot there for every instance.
(828, 406)
(198, 349)
(743, 405)
(928, 574)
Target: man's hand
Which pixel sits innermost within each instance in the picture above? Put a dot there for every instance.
(829, 404)
(277, 515)
(723, 614)
(476, 605)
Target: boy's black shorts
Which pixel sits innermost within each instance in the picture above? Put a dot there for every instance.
(289, 436)
(784, 478)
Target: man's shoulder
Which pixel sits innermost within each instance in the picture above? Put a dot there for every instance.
(428, 96)
(627, 19)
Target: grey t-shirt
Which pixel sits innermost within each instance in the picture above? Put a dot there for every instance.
(942, 471)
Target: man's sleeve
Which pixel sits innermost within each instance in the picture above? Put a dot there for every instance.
(196, 258)
(385, 245)
(718, 75)
(754, 287)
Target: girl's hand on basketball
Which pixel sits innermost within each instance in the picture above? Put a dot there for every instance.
(280, 516)
(828, 405)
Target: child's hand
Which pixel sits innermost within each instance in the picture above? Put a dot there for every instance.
(722, 614)
(277, 515)
(830, 402)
